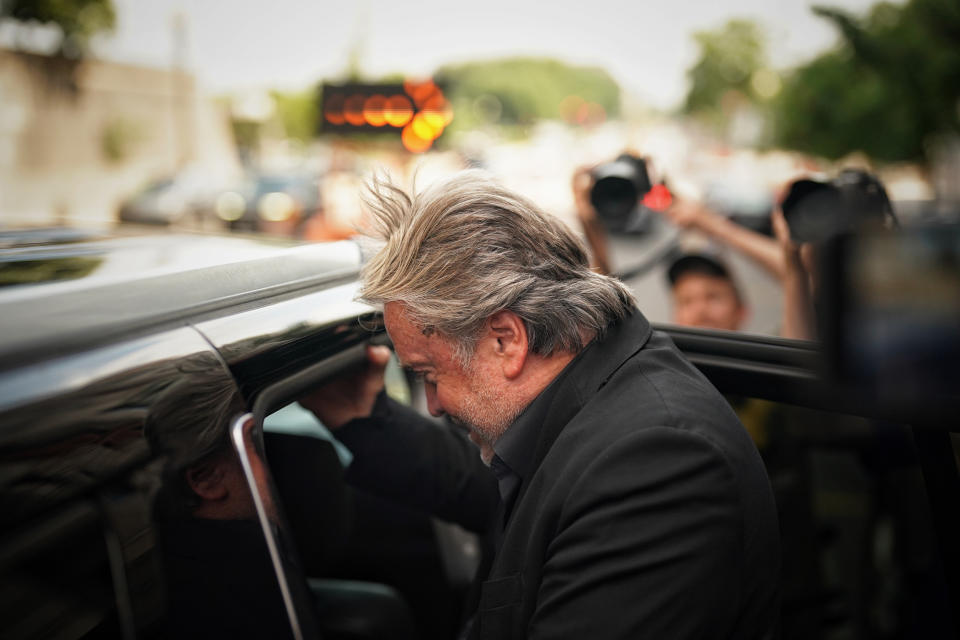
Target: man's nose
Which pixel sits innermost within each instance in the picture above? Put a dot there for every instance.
(433, 404)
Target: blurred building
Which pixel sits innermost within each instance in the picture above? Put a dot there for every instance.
(75, 139)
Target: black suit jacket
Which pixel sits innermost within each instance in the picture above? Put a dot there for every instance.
(645, 512)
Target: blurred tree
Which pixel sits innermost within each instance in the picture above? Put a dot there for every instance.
(730, 58)
(77, 20)
(889, 88)
(297, 112)
(520, 91)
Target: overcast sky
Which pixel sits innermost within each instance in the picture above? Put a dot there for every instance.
(646, 46)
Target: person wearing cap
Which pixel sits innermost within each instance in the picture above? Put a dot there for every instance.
(704, 294)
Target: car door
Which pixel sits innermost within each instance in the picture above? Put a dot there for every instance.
(371, 567)
(124, 510)
(867, 502)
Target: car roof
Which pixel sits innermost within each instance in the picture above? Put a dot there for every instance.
(64, 295)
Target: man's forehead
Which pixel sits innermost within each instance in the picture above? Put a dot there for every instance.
(413, 356)
(409, 343)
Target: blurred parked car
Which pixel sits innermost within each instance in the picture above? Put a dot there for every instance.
(160, 202)
(176, 200)
(278, 204)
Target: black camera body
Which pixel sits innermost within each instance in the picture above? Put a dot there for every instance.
(855, 199)
(618, 188)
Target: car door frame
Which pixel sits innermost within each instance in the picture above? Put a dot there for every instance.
(794, 372)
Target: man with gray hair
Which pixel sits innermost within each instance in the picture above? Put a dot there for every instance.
(632, 503)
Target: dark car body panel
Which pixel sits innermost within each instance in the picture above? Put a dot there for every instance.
(179, 280)
(99, 375)
(79, 478)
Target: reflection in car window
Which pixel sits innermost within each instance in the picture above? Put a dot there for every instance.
(217, 570)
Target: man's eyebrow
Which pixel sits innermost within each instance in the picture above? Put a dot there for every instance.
(414, 364)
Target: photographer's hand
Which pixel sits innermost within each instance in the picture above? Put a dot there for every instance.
(696, 216)
(581, 184)
(596, 235)
(688, 214)
(798, 318)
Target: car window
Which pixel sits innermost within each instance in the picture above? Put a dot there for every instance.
(212, 507)
(388, 555)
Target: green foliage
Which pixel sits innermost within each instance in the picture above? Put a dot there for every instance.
(78, 20)
(246, 134)
(729, 58)
(891, 84)
(520, 91)
(298, 113)
(118, 139)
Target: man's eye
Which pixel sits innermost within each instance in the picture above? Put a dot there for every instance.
(423, 376)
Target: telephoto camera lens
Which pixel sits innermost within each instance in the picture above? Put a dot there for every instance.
(813, 211)
(816, 211)
(617, 189)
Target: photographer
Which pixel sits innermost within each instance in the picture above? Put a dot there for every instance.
(615, 197)
(810, 213)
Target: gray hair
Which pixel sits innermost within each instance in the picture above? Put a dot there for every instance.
(467, 248)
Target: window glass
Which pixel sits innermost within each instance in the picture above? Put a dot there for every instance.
(395, 562)
(218, 567)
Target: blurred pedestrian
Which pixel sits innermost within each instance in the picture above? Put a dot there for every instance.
(704, 293)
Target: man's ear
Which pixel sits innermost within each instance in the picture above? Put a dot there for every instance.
(207, 479)
(509, 335)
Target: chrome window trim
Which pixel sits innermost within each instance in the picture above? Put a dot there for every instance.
(239, 445)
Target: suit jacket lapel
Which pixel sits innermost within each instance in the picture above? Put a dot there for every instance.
(575, 385)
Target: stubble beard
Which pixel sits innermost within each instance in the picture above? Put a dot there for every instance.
(487, 413)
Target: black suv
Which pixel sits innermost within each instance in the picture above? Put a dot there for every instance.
(158, 479)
